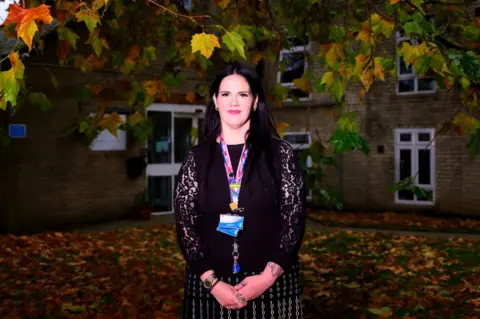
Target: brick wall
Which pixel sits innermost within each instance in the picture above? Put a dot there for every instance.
(365, 181)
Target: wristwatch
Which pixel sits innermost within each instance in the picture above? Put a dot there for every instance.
(210, 281)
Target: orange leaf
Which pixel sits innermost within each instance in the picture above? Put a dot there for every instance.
(134, 52)
(25, 20)
(191, 97)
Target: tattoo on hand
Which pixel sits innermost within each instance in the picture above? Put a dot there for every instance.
(275, 269)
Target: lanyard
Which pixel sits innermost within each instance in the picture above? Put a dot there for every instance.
(234, 181)
(234, 185)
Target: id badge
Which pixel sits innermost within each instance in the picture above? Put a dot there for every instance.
(231, 221)
(228, 231)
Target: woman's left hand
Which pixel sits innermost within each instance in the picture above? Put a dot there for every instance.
(254, 286)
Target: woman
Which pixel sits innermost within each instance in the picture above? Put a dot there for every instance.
(239, 207)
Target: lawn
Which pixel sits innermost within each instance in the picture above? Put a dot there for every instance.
(138, 273)
(394, 220)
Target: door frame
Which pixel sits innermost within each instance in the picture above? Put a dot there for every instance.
(171, 169)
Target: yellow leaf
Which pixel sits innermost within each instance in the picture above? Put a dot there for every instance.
(379, 70)
(281, 128)
(223, 3)
(467, 122)
(360, 62)
(191, 97)
(302, 84)
(327, 79)
(25, 20)
(367, 78)
(150, 87)
(205, 43)
(366, 36)
(335, 54)
(17, 64)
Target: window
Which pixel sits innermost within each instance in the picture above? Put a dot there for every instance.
(415, 158)
(299, 142)
(408, 81)
(294, 64)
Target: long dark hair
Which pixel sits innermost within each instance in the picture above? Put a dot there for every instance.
(262, 125)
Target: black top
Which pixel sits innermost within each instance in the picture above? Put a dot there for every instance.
(273, 229)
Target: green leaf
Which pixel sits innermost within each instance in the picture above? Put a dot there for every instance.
(90, 17)
(336, 33)
(474, 143)
(97, 46)
(413, 28)
(465, 83)
(343, 141)
(338, 91)
(41, 101)
(422, 64)
(66, 34)
(244, 31)
(348, 122)
(10, 87)
(149, 54)
(234, 42)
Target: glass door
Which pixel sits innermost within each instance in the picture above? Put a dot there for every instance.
(174, 128)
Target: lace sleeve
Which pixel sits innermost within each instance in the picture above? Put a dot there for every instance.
(187, 217)
(292, 208)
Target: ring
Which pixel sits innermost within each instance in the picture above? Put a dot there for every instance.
(242, 284)
(241, 298)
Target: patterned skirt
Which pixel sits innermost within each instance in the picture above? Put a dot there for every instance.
(281, 301)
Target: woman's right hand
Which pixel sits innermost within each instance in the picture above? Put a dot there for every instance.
(226, 296)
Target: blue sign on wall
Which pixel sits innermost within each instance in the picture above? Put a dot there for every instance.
(17, 131)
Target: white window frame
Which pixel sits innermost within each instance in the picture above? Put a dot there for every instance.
(299, 147)
(414, 146)
(289, 85)
(413, 76)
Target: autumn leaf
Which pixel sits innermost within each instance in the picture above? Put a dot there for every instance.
(395, 1)
(135, 118)
(205, 43)
(467, 122)
(223, 3)
(327, 79)
(335, 54)
(25, 20)
(191, 97)
(379, 70)
(111, 123)
(17, 65)
(67, 34)
(150, 87)
(257, 57)
(281, 126)
(234, 42)
(366, 36)
(90, 17)
(302, 84)
(40, 100)
(10, 87)
(367, 78)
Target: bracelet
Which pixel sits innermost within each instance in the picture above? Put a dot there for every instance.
(213, 285)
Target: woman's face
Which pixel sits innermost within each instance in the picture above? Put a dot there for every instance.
(234, 101)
